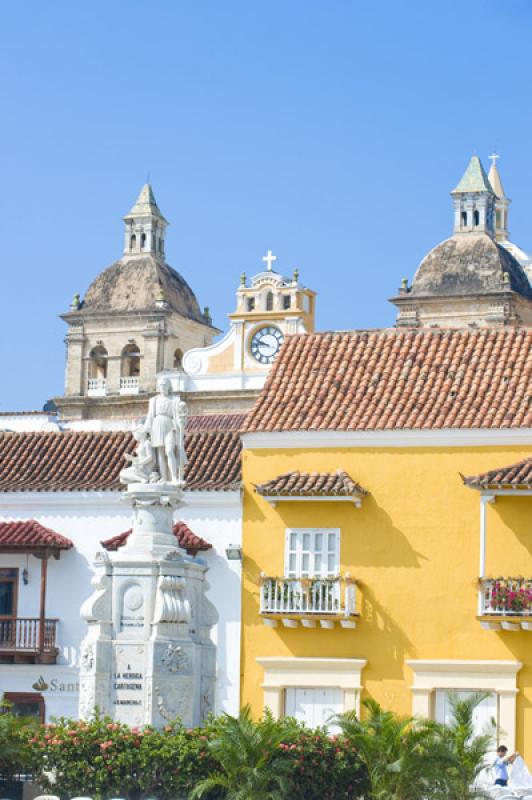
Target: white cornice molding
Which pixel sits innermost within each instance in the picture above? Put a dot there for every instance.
(457, 665)
(273, 499)
(450, 437)
(107, 500)
(99, 500)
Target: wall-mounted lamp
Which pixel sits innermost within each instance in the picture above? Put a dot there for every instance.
(233, 552)
(25, 576)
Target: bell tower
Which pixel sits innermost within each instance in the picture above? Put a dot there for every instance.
(474, 201)
(228, 375)
(145, 227)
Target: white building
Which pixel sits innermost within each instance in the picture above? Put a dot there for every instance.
(59, 499)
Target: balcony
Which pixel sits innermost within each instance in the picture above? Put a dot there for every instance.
(309, 601)
(505, 603)
(23, 639)
(97, 387)
(129, 385)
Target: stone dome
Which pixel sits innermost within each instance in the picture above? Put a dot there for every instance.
(134, 284)
(469, 264)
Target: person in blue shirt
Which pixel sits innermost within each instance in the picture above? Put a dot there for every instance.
(500, 765)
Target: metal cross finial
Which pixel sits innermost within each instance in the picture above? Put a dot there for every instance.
(269, 258)
(494, 156)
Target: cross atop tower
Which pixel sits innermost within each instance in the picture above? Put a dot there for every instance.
(493, 158)
(269, 258)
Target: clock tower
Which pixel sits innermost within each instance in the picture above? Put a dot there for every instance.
(229, 374)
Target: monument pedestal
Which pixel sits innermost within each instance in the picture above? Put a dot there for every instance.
(147, 657)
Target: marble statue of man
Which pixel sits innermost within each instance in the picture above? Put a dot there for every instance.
(141, 467)
(165, 425)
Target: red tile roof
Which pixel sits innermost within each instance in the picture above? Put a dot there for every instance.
(395, 379)
(69, 461)
(214, 461)
(215, 422)
(514, 476)
(185, 539)
(311, 484)
(28, 413)
(91, 461)
(25, 534)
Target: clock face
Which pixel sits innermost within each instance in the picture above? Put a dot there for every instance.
(265, 344)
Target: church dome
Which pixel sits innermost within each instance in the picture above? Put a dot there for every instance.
(468, 264)
(139, 283)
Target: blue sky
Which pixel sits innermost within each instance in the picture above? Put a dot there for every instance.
(328, 130)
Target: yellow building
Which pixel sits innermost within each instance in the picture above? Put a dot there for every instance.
(369, 559)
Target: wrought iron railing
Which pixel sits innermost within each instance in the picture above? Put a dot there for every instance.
(24, 634)
(308, 596)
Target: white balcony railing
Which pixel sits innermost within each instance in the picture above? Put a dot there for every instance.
(309, 599)
(508, 601)
(97, 387)
(129, 385)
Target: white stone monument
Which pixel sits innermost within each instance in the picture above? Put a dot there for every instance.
(147, 657)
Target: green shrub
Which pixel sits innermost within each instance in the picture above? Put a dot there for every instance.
(101, 758)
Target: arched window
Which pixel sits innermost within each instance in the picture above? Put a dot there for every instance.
(98, 363)
(132, 242)
(476, 218)
(143, 241)
(130, 364)
(269, 301)
(287, 301)
(464, 218)
(178, 359)
(251, 304)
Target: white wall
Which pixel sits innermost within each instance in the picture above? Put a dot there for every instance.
(88, 517)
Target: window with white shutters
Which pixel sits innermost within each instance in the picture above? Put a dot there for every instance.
(485, 715)
(315, 706)
(312, 552)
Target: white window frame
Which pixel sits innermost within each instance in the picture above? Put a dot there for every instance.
(499, 677)
(285, 672)
(301, 561)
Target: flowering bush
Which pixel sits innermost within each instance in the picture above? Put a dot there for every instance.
(102, 758)
(322, 766)
(510, 594)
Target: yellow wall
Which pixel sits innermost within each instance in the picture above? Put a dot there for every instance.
(414, 547)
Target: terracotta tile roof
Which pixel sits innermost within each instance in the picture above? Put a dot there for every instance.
(215, 422)
(185, 538)
(514, 476)
(29, 533)
(64, 461)
(311, 484)
(395, 379)
(28, 413)
(214, 461)
(91, 461)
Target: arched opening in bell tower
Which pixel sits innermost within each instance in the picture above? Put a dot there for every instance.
(98, 363)
(130, 364)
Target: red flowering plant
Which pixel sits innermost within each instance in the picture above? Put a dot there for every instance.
(101, 758)
(513, 595)
(322, 766)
